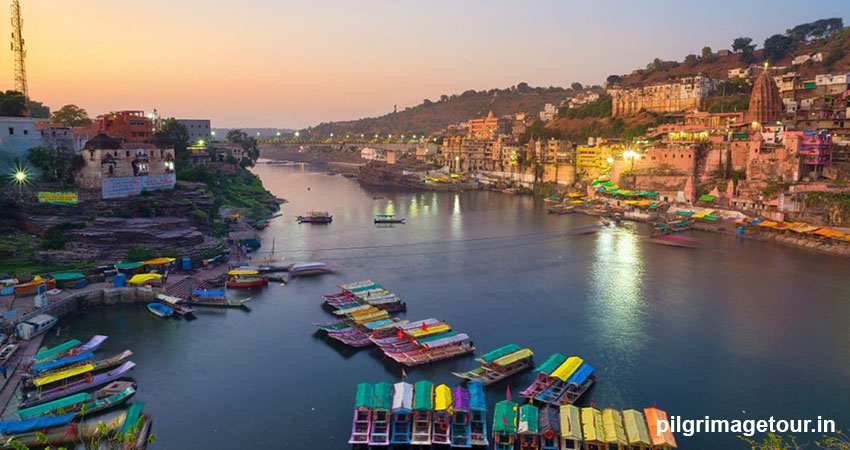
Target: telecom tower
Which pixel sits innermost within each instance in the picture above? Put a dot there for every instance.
(18, 49)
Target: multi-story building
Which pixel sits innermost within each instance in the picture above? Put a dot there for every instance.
(485, 127)
(685, 93)
(742, 72)
(132, 126)
(17, 135)
(121, 169)
(549, 112)
(199, 129)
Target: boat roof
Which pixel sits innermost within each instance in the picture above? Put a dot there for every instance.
(365, 397)
(378, 323)
(364, 288)
(442, 398)
(567, 368)
(436, 337)
(429, 330)
(418, 324)
(355, 284)
(476, 395)
(504, 417)
(58, 376)
(204, 292)
(27, 413)
(310, 265)
(243, 272)
(461, 399)
(385, 215)
(581, 374)
(636, 429)
(552, 363)
(383, 395)
(17, 426)
(591, 425)
(42, 319)
(498, 353)
(653, 415)
(528, 419)
(513, 357)
(158, 261)
(423, 396)
(38, 368)
(547, 419)
(344, 311)
(403, 396)
(446, 341)
(65, 346)
(612, 424)
(570, 422)
(67, 276)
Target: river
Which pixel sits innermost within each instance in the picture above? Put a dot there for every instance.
(738, 329)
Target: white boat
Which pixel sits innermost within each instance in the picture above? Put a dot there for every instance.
(35, 326)
(7, 352)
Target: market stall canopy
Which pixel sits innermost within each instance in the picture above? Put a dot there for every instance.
(144, 278)
(67, 276)
(159, 261)
(129, 265)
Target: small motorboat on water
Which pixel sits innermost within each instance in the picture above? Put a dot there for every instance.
(160, 310)
(586, 229)
(388, 218)
(315, 217)
(604, 220)
(675, 241)
(309, 269)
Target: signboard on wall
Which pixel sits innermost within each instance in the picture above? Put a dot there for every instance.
(58, 197)
(129, 186)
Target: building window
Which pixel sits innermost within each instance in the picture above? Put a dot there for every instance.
(26, 131)
(11, 130)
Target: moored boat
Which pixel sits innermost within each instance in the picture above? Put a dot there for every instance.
(586, 229)
(31, 288)
(84, 369)
(504, 425)
(159, 309)
(499, 364)
(551, 199)
(56, 435)
(423, 405)
(380, 434)
(477, 414)
(402, 413)
(36, 325)
(543, 380)
(528, 432)
(460, 419)
(549, 428)
(675, 241)
(361, 426)
(570, 425)
(7, 351)
(442, 417)
(388, 218)
(315, 217)
(115, 393)
(310, 269)
(45, 396)
(568, 382)
(175, 303)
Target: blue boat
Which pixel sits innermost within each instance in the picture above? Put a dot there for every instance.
(160, 310)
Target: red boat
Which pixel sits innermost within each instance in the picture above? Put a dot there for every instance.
(238, 283)
(31, 288)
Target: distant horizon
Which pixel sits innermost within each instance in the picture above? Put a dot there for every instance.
(291, 65)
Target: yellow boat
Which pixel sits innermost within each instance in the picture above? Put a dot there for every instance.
(59, 376)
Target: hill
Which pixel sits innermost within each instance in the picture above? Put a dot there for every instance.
(432, 116)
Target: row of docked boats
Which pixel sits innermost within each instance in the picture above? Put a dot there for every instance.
(363, 308)
(560, 380)
(499, 364)
(569, 427)
(364, 293)
(420, 414)
(423, 342)
(68, 392)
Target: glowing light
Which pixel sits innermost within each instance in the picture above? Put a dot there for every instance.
(20, 176)
(297, 134)
(200, 142)
(610, 160)
(629, 154)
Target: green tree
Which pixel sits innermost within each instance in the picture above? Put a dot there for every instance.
(12, 104)
(743, 45)
(576, 86)
(691, 60)
(250, 152)
(174, 134)
(707, 54)
(47, 161)
(614, 79)
(71, 116)
(38, 110)
(832, 57)
(776, 47)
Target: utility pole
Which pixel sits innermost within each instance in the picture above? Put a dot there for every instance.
(18, 50)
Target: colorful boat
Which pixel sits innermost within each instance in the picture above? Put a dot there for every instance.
(54, 352)
(86, 369)
(504, 425)
(586, 229)
(637, 431)
(7, 351)
(175, 303)
(477, 414)
(528, 432)
(312, 269)
(592, 429)
(69, 433)
(570, 424)
(661, 439)
(675, 241)
(380, 434)
(460, 419)
(215, 298)
(543, 380)
(552, 199)
(442, 417)
(549, 428)
(31, 288)
(77, 386)
(425, 345)
(34, 326)
(361, 426)
(402, 413)
(561, 209)
(499, 364)
(423, 406)
(247, 283)
(111, 395)
(160, 310)
(614, 433)
(315, 217)
(387, 218)
(568, 382)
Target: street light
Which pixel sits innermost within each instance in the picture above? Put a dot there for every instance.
(297, 134)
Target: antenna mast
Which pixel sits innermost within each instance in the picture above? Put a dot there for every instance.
(18, 49)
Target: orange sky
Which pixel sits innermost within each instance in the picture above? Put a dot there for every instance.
(292, 64)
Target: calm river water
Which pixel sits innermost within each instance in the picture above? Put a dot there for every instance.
(738, 329)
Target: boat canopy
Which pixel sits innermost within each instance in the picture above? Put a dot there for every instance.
(385, 215)
(476, 395)
(243, 272)
(403, 396)
(436, 329)
(74, 371)
(636, 431)
(443, 398)
(659, 438)
(39, 368)
(591, 425)
(504, 418)
(378, 323)
(461, 399)
(45, 408)
(581, 374)
(159, 261)
(344, 311)
(18, 426)
(144, 278)
(528, 419)
(498, 353)
(418, 324)
(67, 276)
(547, 419)
(552, 363)
(365, 397)
(436, 337)
(513, 357)
(64, 347)
(447, 341)
(383, 395)
(132, 417)
(311, 265)
(355, 284)
(612, 425)
(210, 293)
(423, 396)
(363, 288)
(570, 422)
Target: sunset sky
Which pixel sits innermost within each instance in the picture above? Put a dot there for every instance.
(274, 63)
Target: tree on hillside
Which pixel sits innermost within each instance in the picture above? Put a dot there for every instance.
(743, 45)
(614, 79)
(53, 166)
(444, 98)
(576, 86)
(707, 54)
(832, 57)
(12, 104)
(71, 116)
(691, 60)
(38, 110)
(817, 29)
(656, 64)
(174, 134)
(250, 152)
(776, 47)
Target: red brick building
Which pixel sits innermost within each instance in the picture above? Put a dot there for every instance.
(132, 126)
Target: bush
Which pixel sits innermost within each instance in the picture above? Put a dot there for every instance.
(54, 240)
(199, 215)
(137, 253)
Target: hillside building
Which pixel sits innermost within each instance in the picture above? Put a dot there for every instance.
(683, 94)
